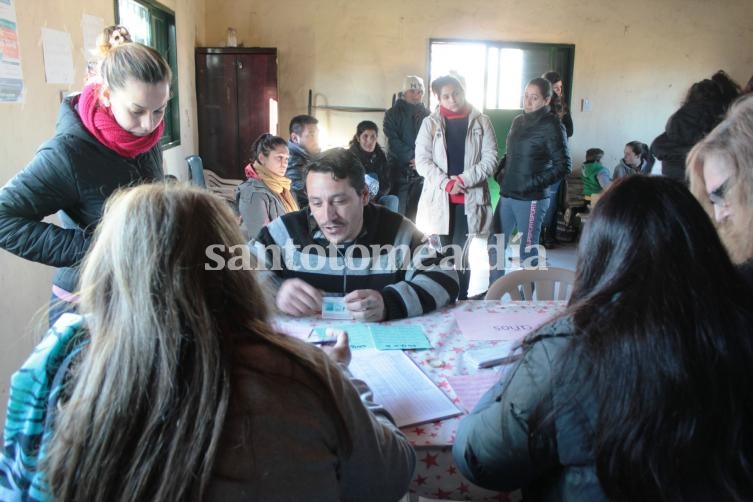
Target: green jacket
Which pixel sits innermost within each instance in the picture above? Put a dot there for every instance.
(595, 178)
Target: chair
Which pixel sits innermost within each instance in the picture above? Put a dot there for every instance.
(220, 186)
(550, 284)
(196, 171)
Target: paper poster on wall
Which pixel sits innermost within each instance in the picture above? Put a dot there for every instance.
(57, 48)
(11, 77)
(91, 26)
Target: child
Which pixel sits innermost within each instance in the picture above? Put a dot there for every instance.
(595, 176)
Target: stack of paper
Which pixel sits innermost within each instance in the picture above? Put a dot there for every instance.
(401, 387)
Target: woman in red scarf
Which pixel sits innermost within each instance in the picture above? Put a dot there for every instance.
(265, 194)
(106, 138)
(456, 151)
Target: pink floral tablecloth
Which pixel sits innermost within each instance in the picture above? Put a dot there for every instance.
(436, 475)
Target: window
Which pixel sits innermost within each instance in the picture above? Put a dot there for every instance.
(495, 73)
(154, 25)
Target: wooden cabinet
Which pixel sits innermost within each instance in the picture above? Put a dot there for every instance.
(236, 97)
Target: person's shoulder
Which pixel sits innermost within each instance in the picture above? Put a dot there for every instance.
(293, 225)
(551, 338)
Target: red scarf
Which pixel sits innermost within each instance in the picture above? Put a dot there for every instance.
(101, 123)
(449, 115)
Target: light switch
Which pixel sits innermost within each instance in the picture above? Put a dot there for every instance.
(585, 105)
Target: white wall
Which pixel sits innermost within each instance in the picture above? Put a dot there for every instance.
(633, 60)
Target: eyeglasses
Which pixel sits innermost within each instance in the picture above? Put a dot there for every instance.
(718, 196)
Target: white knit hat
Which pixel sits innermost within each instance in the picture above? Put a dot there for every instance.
(413, 82)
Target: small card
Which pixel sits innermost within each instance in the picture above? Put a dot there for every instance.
(393, 337)
(333, 307)
(359, 335)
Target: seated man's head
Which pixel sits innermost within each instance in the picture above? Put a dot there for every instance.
(304, 132)
(337, 194)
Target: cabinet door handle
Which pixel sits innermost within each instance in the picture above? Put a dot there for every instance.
(240, 65)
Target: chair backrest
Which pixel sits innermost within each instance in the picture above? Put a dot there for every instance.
(220, 186)
(196, 170)
(550, 284)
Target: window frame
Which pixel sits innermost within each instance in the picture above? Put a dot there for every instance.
(163, 38)
(566, 63)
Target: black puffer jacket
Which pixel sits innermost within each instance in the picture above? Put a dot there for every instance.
(686, 127)
(294, 172)
(401, 125)
(375, 164)
(537, 156)
(72, 173)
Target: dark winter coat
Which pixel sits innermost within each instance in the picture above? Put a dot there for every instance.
(75, 174)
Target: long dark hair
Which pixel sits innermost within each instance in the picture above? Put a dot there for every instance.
(264, 144)
(663, 345)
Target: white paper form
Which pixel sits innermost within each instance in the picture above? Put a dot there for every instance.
(57, 48)
(401, 387)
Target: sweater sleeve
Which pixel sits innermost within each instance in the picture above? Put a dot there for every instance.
(429, 283)
(254, 209)
(603, 178)
(492, 443)
(44, 187)
(382, 460)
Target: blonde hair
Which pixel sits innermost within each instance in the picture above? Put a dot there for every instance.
(104, 39)
(134, 61)
(731, 142)
(149, 396)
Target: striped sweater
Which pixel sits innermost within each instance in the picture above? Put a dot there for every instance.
(388, 256)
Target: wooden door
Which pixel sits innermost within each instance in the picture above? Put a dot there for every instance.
(233, 88)
(257, 86)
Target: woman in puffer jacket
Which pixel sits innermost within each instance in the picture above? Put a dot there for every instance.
(642, 389)
(536, 157)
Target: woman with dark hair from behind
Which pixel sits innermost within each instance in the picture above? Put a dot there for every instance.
(365, 147)
(641, 389)
(637, 160)
(185, 391)
(265, 194)
(720, 170)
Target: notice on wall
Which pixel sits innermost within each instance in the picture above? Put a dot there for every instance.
(91, 26)
(11, 78)
(57, 48)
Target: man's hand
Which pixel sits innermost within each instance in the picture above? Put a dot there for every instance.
(299, 298)
(340, 351)
(366, 305)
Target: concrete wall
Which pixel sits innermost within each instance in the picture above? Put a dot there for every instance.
(634, 61)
